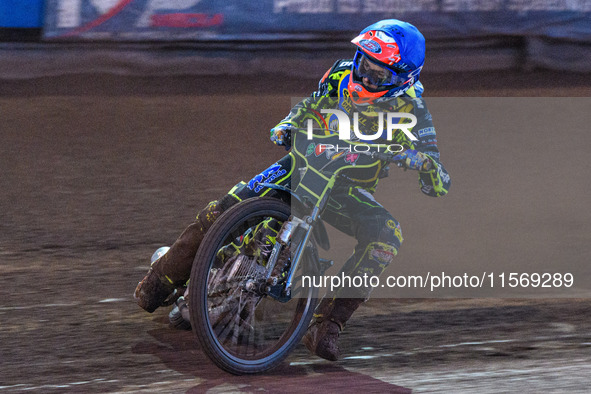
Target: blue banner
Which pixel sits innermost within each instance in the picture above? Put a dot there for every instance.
(21, 13)
(161, 20)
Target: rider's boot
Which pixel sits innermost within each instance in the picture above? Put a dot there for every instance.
(332, 313)
(173, 269)
(328, 322)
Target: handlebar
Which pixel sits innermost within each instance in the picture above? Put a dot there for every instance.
(384, 156)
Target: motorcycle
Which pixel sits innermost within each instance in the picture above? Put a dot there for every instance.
(247, 304)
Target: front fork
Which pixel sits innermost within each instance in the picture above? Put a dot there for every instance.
(297, 232)
(291, 234)
(300, 235)
(294, 231)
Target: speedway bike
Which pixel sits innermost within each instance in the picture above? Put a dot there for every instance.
(248, 306)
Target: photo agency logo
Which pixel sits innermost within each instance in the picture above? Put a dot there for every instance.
(339, 120)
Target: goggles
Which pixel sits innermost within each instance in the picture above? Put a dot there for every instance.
(384, 78)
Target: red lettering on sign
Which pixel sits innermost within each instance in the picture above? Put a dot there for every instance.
(187, 20)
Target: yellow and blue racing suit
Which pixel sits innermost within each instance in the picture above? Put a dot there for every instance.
(352, 208)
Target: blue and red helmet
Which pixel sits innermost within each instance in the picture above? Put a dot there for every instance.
(389, 58)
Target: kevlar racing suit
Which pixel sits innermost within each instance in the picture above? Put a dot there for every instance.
(352, 208)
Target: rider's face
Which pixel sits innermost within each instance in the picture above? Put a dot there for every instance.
(378, 73)
(373, 69)
(368, 84)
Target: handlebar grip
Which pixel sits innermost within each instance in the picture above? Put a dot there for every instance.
(389, 157)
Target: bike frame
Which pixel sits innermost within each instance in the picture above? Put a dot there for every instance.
(317, 189)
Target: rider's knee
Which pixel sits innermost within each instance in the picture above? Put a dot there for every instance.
(391, 233)
(208, 215)
(227, 201)
(369, 262)
(379, 256)
(213, 209)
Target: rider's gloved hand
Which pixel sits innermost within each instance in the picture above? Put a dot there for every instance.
(413, 160)
(281, 135)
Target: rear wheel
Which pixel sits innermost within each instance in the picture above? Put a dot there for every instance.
(240, 329)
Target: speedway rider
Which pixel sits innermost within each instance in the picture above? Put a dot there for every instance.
(383, 74)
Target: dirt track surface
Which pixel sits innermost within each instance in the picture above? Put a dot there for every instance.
(98, 171)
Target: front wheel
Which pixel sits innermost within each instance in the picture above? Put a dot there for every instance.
(241, 330)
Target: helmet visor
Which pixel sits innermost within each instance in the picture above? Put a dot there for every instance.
(377, 77)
